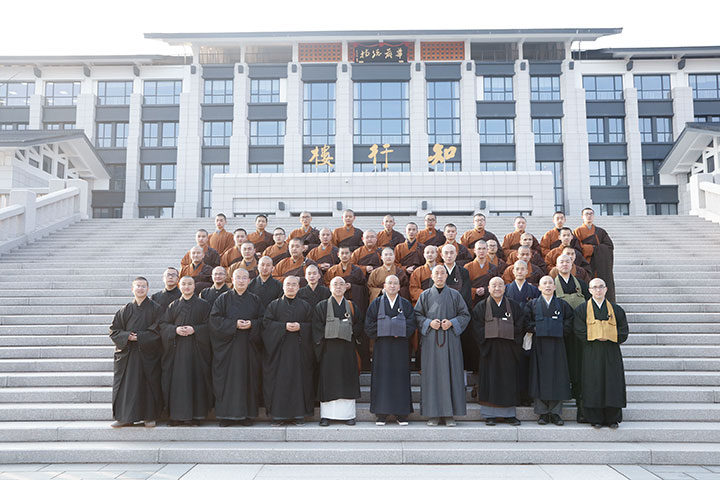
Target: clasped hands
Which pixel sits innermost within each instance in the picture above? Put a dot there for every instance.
(437, 324)
(185, 331)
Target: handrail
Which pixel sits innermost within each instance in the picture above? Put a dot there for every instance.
(11, 211)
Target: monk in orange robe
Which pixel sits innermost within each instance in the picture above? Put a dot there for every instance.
(367, 257)
(324, 255)
(421, 280)
(309, 235)
(534, 274)
(431, 235)
(512, 240)
(470, 238)
(347, 235)
(388, 236)
(583, 273)
(376, 280)
(495, 255)
(409, 254)
(598, 250)
(198, 270)
(221, 240)
(463, 254)
(526, 239)
(247, 261)
(235, 253)
(211, 258)
(481, 271)
(294, 265)
(279, 250)
(261, 238)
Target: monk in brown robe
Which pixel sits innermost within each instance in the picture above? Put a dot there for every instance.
(324, 255)
(221, 240)
(294, 265)
(534, 273)
(279, 250)
(598, 250)
(421, 280)
(470, 238)
(367, 257)
(198, 270)
(309, 235)
(512, 240)
(409, 254)
(388, 236)
(565, 239)
(463, 254)
(577, 270)
(261, 238)
(526, 239)
(233, 254)
(495, 255)
(211, 258)
(431, 235)
(551, 239)
(481, 271)
(347, 235)
(246, 261)
(376, 281)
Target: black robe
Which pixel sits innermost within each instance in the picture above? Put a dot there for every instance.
(573, 347)
(602, 260)
(459, 279)
(137, 393)
(236, 357)
(313, 297)
(288, 363)
(549, 377)
(186, 380)
(165, 297)
(338, 375)
(210, 294)
(390, 392)
(499, 382)
(267, 291)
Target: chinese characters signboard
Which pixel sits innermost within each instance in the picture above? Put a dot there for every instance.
(381, 53)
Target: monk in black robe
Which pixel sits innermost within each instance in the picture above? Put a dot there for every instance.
(235, 323)
(171, 292)
(137, 393)
(288, 364)
(347, 235)
(219, 286)
(390, 322)
(314, 292)
(264, 285)
(186, 381)
(598, 250)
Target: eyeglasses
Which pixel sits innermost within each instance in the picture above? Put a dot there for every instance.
(598, 287)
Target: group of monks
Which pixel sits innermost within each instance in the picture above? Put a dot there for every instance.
(263, 319)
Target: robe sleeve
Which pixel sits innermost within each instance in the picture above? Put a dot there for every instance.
(462, 318)
(222, 329)
(318, 327)
(529, 314)
(358, 322)
(568, 317)
(478, 325)
(519, 323)
(273, 331)
(371, 318)
(202, 333)
(149, 340)
(168, 329)
(118, 334)
(622, 324)
(415, 284)
(579, 324)
(423, 322)
(410, 325)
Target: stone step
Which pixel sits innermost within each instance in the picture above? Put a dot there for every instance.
(673, 339)
(672, 307)
(56, 352)
(676, 351)
(59, 340)
(81, 329)
(707, 327)
(57, 319)
(672, 317)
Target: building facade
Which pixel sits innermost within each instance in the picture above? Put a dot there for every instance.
(499, 121)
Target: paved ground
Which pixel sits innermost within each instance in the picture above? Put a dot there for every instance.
(364, 472)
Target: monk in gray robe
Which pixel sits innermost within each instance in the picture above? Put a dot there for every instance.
(442, 315)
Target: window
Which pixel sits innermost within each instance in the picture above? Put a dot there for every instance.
(606, 130)
(319, 114)
(392, 167)
(612, 208)
(61, 93)
(607, 87)
(650, 172)
(557, 170)
(496, 130)
(443, 104)
(319, 168)
(208, 172)
(652, 87)
(156, 212)
(158, 177)
(114, 93)
(705, 86)
(265, 91)
(544, 89)
(47, 164)
(111, 135)
(266, 168)
(107, 212)
(608, 173)
(381, 113)
(16, 93)
(267, 133)
(707, 118)
(217, 134)
(662, 208)
(117, 177)
(498, 89)
(59, 126)
(13, 126)
(218, 91)
(547, 130)
(60, 170)
(656, 129)
(160, 134)
(162, 92)
(499, 166)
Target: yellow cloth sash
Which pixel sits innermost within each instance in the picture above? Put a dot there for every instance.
(601, 328)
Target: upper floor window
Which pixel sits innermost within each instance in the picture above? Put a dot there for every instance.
(707, 118)
(114, 93)
(16, 93)
(443, 103)
(603, 87)
(606, 130)
(59, 126)
(267, 133)
(160, 134)
(14, 126)
(498, 89)
(656, 129)
(652, 87)
(265, 90)
(544, 88)
(496, 130)
(608, 173)
(162, 92)
(218, 91)
(547, 130)
(112, 135)
(319, 114)
(158, 177)
(382, 113)
(705, 86)
(61, 93)
(217, 134)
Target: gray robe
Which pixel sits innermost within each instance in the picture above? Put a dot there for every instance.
(442, 383)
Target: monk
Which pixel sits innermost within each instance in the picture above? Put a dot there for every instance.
(495, 255)
(409, 254)
(526, 240)
(463, 254)
(324, 255)
(478, 232)
(264, 285)
(512, 240)
(367, 257)
(221, 240)
(171, 291)
(577, 271)
(247, 261)
(198, 270)
(376, 280)
(431, 235)
(421, 280)
(597, 248)
(279, 250)
(234, 253)
(388, 236)
(219, 286)
(309, 235)
(294, 265)
(314, 292)
(534, 273)
(551, 239)
(347, 235)
(565, 239)
(481, 271)
(212, 257)
(261, 238)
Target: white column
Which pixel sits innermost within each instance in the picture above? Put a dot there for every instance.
(576, 155)
(241, 126)
(418, 117)
(292, 152)
(683, 109)
(26, 198)
(132, 158)
(36, 105)
(524, 137)
(189, 148)
(344, 118)
(85, 112)
(468, 117)
(634, 150)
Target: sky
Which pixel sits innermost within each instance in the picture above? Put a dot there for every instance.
(116, 27)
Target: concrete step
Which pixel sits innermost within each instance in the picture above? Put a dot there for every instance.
(49, 319)
(59, 340)
(66, 301)
(54, 352)
(640, 327)
(684, 351)
(81, 329)
(672, 317)
(673, 339)
(672, 307)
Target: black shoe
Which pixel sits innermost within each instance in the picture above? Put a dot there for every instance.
(380, 421)
(227, 423)
(175, 423)
(298, 422)
(277, 423)
(597, 425)
(350, 422)
(248, 422)
(554, 418)
(542, 420)
(614, 425)
(402, 421)
(490, 422)
(324, 422)
(513, 421)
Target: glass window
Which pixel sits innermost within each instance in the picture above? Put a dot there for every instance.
(500, 166)
(160, 134)
(381, 113)
(603, 87)
(496, 130)
(319, 114)
(266, 168)
(208, 172)
(608, 173)
(618, 173)
(265, 91)
(61, 93)
(557, 170)
(392, 167)
(547, 130)
(705, 86)
(114, 93)
(158, 177)
(652, 87)
(162, 92)
(167, 177)
(47, 164)
(13, 126)
(612, 208)
(111, 135)
(443, 104)
(60, 170)
(616, 130)
(59, 126)
(267, 133)
(544, 88)
(156, 212)
(107, 212)
(498, 89)
(662, 208)
(16, 93)
(707, 118)
(596, 130)
(117, 177)
(218, 91)
(651, 170)
(217, 133)
(656, 129)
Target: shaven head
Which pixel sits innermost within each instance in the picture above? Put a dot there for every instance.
(430, 220)
(564, 264)
(520, 270)
(337, 288)
(370, 238)
(247, 250)
(570, 252)
(305, 218)
(547, 286)
(261, 222)
(479, 221)
(388, 222)
(524, 253)
(196, 255)
(411, 231)
(265, 266)
(220, 221)
(492, 246)
(496, 287)
(588, 216)
(187, 286)
(240, 236)
(241, 280)
(526, 239)
(348, 217)
(325, 236)
(520, 223)
(388, 256)
(170, 278)
(449, 254)
(565, 236)
(201, 237)
(430, 253)
(481, 249)
(344, 254)
(140, 287)
(312, 274)
(450, 231)
(559, 219)
(279, 236)
(439, 276)
(598, 289)
(219, 275)
(291, 285)
(295, 247)
(392, 285)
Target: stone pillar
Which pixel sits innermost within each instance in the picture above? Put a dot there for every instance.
(634, 152)
(418, 116)
(344, 117)
(132, 158)
(26, 198)
(36, 105)
(292, 152)
(83, 204)
(524, 136)
(240, 132)
(188, 181)
(468, 116)
(85, 112)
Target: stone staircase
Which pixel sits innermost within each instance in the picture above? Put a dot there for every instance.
(58, 295)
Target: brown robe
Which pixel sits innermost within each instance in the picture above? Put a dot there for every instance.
(356, 277)
(463, 253)
(552, 256)
(277, 252)
(536, 259)
(240, 263)
(321, 254)
(551, 240)
(365, 256)
(221, 241)
(392, 239)
(499, 263)
(512, 242)
(480, 277)
(431, 237)
(311, 237)
(261, 240)
(407, 255)
(376, 281)
(420, 280)
(471, 236)
(580, 273)
(231, 256)
(598, 250)
(289, 267)
(347, 237)
(201, 273)
(533, 277)
(211, 257)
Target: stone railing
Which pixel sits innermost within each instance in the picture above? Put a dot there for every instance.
(29, 217)
(705, 196)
